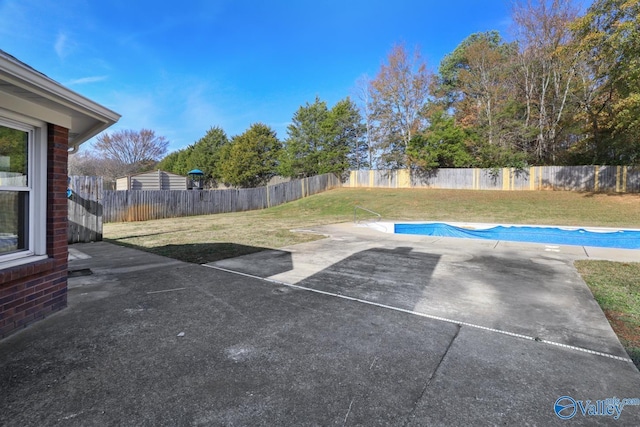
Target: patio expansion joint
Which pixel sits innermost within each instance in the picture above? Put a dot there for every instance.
(432, 376)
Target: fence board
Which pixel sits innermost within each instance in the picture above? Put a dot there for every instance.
(617, 179)
(631, 179)
(142, 205)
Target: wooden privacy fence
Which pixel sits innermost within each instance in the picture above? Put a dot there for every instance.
(618, 179)
(85, 209)
(142, 205)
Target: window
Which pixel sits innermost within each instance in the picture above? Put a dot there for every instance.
(22, 190)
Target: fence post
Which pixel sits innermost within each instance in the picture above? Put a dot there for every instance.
(268, 202)
(404, 178)
(596, 183)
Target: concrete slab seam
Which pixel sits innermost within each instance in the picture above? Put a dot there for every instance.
(135, 268)
(432, 376)
(165, 290)
(428, 316)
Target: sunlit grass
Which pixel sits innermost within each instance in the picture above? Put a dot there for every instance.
(616, 287)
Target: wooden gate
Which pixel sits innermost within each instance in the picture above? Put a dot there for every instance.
(85, 209)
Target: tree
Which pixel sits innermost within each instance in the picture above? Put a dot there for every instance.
(398, 93)
(361, 91)
(170, 162)
(476, 82)
(203, 154)
(250, 159)
(443, 144)
(484, 83)
(306, 139)
(129, 151)
(88, 162)
(322, 140)
(607, 38)
(547, 71)
(206, 153)
(346, 147)
(85, 163)
(448, 87)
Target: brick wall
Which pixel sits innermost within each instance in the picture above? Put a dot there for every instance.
(30, 292)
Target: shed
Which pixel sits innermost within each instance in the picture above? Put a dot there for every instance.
(41, 121)
(153, 180)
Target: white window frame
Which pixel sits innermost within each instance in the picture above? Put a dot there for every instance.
(36, 187)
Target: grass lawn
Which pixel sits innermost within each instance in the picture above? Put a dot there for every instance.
(616, 287)
(201, 239)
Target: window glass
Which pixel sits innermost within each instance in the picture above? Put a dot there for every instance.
(14, 146)
(13, 221)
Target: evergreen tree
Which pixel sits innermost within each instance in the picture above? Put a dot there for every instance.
(322, 140)
(250, 159)
(203, 155)
(307, 138)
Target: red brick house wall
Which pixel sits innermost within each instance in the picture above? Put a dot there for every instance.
(31, 291)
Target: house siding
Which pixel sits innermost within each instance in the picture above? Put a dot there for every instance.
(32, 291)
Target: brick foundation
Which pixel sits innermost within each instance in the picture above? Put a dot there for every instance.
(31, 291)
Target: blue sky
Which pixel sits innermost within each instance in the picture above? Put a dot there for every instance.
(180, 68)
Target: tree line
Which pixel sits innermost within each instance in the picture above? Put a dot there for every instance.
(320, 140)
(564, 91)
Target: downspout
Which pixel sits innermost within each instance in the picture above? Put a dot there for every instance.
(72, 149)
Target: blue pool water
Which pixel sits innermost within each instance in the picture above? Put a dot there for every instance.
(624, 239)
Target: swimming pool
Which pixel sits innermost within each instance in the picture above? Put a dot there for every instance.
(598, 237)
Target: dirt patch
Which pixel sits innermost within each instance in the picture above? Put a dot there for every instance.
(628, 334)
(624, 329)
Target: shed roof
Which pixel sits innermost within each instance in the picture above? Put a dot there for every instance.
(152, 172)
(31, 93)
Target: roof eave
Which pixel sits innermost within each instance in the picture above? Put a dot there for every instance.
(29, 79)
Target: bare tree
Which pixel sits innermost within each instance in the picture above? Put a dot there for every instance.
(361, 92)
(129, 151)
(397, 96)
(89, 163)
(547, 69)
(84, 163)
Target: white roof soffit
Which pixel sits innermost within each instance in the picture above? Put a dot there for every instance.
(31, 93)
